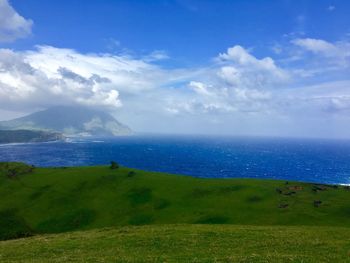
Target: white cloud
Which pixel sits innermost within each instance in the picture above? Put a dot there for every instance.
(339, 50)
(239, 93)
(238, 82)
(156, 56)
(243, 69)
(321, 58)
(315, 45)
(125, 73)
(12, 25)
(48, 76)
(237, 90)
(200, 88)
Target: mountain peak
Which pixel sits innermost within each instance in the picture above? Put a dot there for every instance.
(71, 121)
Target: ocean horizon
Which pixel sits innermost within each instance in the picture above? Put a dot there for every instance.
(325, 161)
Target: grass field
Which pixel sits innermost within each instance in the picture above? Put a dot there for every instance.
(168, 218)
(185, 243)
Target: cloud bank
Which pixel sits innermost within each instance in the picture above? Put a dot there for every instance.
(235, 86)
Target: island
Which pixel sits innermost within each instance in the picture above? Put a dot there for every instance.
(27, 136)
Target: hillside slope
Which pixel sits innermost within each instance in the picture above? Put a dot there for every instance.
(21, 136)
(70, 121)
(185, 243)
(48, 200)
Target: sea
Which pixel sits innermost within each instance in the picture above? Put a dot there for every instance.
(307, 160)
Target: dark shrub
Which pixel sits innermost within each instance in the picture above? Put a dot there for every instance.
(317, 203)
(131, 174)
(114, 165)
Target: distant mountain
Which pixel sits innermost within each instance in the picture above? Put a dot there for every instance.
(71, 121)
(22, 136)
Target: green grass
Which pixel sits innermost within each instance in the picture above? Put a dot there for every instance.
(185, 243)
(98, 214)
(53, 200)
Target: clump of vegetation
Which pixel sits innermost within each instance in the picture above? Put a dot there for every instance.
(319, 187)
(114, 165)
(131, 174)
(317, 203)
(13, 170)
(289, 190)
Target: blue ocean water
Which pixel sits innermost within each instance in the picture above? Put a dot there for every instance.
(308, 160)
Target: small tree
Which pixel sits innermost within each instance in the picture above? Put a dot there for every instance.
(114, 165)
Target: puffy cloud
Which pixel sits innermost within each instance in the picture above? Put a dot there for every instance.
(125, 73)
(12, 25)
(244, 70)
(48, 76)
(238, 82)
(240, 85)
(237, 90)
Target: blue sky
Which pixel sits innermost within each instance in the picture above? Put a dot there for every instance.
(192, 32)
(278, 68)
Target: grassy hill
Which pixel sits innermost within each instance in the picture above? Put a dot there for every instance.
(53, 200)
(184, 243)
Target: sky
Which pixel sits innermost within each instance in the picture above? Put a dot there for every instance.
(264, 68)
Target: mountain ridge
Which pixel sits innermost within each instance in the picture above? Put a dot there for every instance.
(70, 121)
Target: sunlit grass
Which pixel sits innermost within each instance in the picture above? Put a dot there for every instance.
(185, 243)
